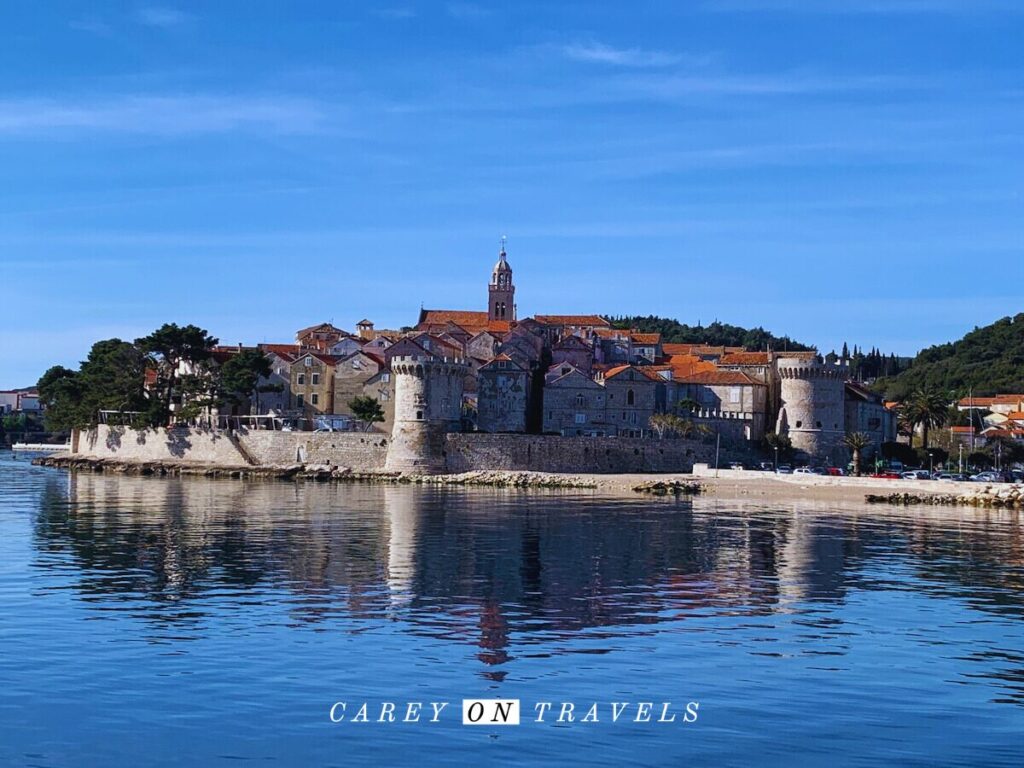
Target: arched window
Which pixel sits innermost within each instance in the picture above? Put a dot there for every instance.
(630, 398)
(580, 401)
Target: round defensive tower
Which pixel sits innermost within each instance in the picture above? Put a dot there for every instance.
(811, 413)
(428, 405)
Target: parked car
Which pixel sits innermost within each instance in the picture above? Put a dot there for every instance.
(887, 474)
(736, 465)
(917, 474)
(836, 471)
(803, 471)
(987, 477)
(784, 469)
(766, 466)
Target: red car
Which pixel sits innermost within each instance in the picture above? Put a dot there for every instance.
(835, 472)
(887, 475)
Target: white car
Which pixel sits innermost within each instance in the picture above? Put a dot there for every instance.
(803, 471)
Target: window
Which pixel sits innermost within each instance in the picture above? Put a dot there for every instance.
(308, 361)
(632, 418)
(734, 394)
(315, 379)
(385, 377)
(419, 414)
(581, 418)
(630, 398)
(301, 379)
(314, 399)
(299, 402)
(581, 401)
(799, 424)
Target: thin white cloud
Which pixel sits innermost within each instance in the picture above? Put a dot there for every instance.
(92, 26)
(467, 11)
(600, 53)
(162, 115)
(160, 16)
(397, 13)
(867, 6)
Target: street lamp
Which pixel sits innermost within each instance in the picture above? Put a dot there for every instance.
(776, 458)
(931, 463)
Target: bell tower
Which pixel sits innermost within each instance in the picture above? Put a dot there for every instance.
(501, 292)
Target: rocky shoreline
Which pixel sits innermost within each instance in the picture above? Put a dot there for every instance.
(325, 473)
(998, 496)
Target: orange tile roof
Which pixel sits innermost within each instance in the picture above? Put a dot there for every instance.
(961, 430)
(457, 316)
(685, 365)
(573, 320)
(287, 351)
(1007, 399)
(646, 338)
(698, 349)
(721, 377)
(1015, 416)
(977, 402)
(745, 358)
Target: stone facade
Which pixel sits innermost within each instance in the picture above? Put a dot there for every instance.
(428, 405)
(575, 404)
(312, 384)
(813, 406)
(503, 396)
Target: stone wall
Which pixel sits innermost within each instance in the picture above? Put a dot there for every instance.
(368, 451)
(359, 450)
(549, 453)
(186, 444)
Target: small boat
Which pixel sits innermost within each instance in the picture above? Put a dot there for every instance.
(41, 447)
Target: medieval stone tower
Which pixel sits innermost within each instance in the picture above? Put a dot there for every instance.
(811, 413)
(428, 405)
(501, 293)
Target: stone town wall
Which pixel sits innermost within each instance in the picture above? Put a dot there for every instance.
(207, 446)
(368, 451)
(551, 453)
(359, 450)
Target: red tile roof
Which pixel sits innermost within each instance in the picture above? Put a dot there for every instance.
(287, 351)
(745, 358)
(734, 378)
(645, 338)
(595, 320)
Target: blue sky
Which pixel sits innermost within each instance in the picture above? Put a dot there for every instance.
(831, 169)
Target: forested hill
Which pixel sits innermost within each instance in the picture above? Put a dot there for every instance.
(716, 334)
(990, 360)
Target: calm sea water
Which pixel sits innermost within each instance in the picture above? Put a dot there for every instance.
(170, 622)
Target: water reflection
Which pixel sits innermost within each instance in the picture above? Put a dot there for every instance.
(504, 570)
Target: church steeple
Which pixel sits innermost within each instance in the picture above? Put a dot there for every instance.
(501, 292)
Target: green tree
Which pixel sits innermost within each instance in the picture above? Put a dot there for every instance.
(170, 346)
(240, 377)
(858, 443)
(366, 409)
(781, 443)
(60, 394)
(927, 407)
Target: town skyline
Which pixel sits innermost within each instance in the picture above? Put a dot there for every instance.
(806, 167)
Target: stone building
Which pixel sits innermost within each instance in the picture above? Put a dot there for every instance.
(574, 404)
(633, 396)
(574, 351)
(428, 405)
(812, 412)
(728, 402)
(865, 412)
(312, 383)
(503, 395)
(320, 337)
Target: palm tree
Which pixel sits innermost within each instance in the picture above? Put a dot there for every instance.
(857, 442)
(927, 407)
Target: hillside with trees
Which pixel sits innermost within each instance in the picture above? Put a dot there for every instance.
(716, 334)
(989, 360)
